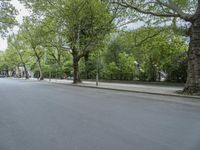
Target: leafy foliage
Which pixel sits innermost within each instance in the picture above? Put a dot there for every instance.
(7, 16)
(72, 38)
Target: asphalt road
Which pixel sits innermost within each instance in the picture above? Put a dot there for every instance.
(43, 116)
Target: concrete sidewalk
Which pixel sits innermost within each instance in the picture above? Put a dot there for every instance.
(139, 88)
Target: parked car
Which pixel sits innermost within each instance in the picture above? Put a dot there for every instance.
(2, 76)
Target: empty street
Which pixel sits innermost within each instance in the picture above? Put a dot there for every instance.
(44, 116)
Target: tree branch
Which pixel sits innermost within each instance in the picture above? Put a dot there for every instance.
(131, 6)
(171, 5)
(177, 12)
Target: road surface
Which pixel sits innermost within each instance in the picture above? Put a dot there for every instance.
(43, 116)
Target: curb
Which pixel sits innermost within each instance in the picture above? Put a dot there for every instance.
(144, 92)
(124, 90)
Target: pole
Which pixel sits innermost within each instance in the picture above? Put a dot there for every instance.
(56, 75)
(49, 76)
(97, 74)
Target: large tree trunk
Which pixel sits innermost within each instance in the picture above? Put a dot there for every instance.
(193, 79)
(76, 69)
(39, 63)
(26, 71)
(40, 69)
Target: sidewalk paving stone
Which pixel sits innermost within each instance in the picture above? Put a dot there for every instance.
(139, 88)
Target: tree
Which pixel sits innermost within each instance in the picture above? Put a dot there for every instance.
(11, 62)
(84, 24)
(151, 49)
(170, 10)
(33, 37)
(160, 52)
(16, 44)
(3, 64)
(54, 41)
(7, 16)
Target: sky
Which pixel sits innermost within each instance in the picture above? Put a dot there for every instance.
(22, 12)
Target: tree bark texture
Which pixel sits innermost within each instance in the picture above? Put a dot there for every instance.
(26, 71)
(40, 69)
(39, 64)
(193, 78)
(76, 69)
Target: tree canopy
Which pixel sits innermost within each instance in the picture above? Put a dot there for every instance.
(7, 16)
(157, 11)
